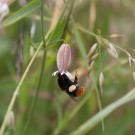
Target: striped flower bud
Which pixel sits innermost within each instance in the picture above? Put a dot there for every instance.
(63, 58)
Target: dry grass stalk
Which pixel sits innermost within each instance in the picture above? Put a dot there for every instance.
(130, 60)
(92, 50)
(94, 56)
(133, 60)
(113, 51)
(90, 67)
(101, 81)
(134, 76)
(92, 14)
(10, 120)
(56, 12)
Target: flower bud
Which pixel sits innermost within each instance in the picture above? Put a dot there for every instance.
(63, 58)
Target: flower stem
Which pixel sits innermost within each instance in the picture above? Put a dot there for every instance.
(33, 107)
(16, 92)
(32, 110)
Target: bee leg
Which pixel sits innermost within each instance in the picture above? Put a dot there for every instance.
(55, 73)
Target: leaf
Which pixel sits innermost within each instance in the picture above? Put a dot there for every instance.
(92, 122)
(69, 116)
(24, 11)
(35, 45)
(58, 32)
(122, 126)
(80, 42)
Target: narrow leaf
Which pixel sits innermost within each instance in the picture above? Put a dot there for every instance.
(24, 11)
(92, 122)
(80, 42)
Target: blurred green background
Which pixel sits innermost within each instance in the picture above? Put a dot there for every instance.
(81, 23)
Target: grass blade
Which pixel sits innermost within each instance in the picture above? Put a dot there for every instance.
(80, 42)
(92, 122)
(59, 31)
(24, 11)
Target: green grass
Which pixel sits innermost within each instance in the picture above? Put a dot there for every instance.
(39, 106)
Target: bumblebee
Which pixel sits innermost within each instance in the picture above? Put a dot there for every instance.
(68, 84)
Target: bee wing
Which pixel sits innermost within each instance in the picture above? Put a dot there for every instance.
(74, 99)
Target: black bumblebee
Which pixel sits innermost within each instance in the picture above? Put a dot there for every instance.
(68, 84)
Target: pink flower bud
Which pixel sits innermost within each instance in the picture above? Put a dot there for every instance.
(63, 58)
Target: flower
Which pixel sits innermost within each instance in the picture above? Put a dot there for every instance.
(63, 60)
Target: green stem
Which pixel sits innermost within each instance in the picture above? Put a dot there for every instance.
(33, 107)
(32, 110)
(100, 58)
(100, 107)
(98, 99)
(17, 91)
(62, 125)
(93, 121)
(42, 23)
